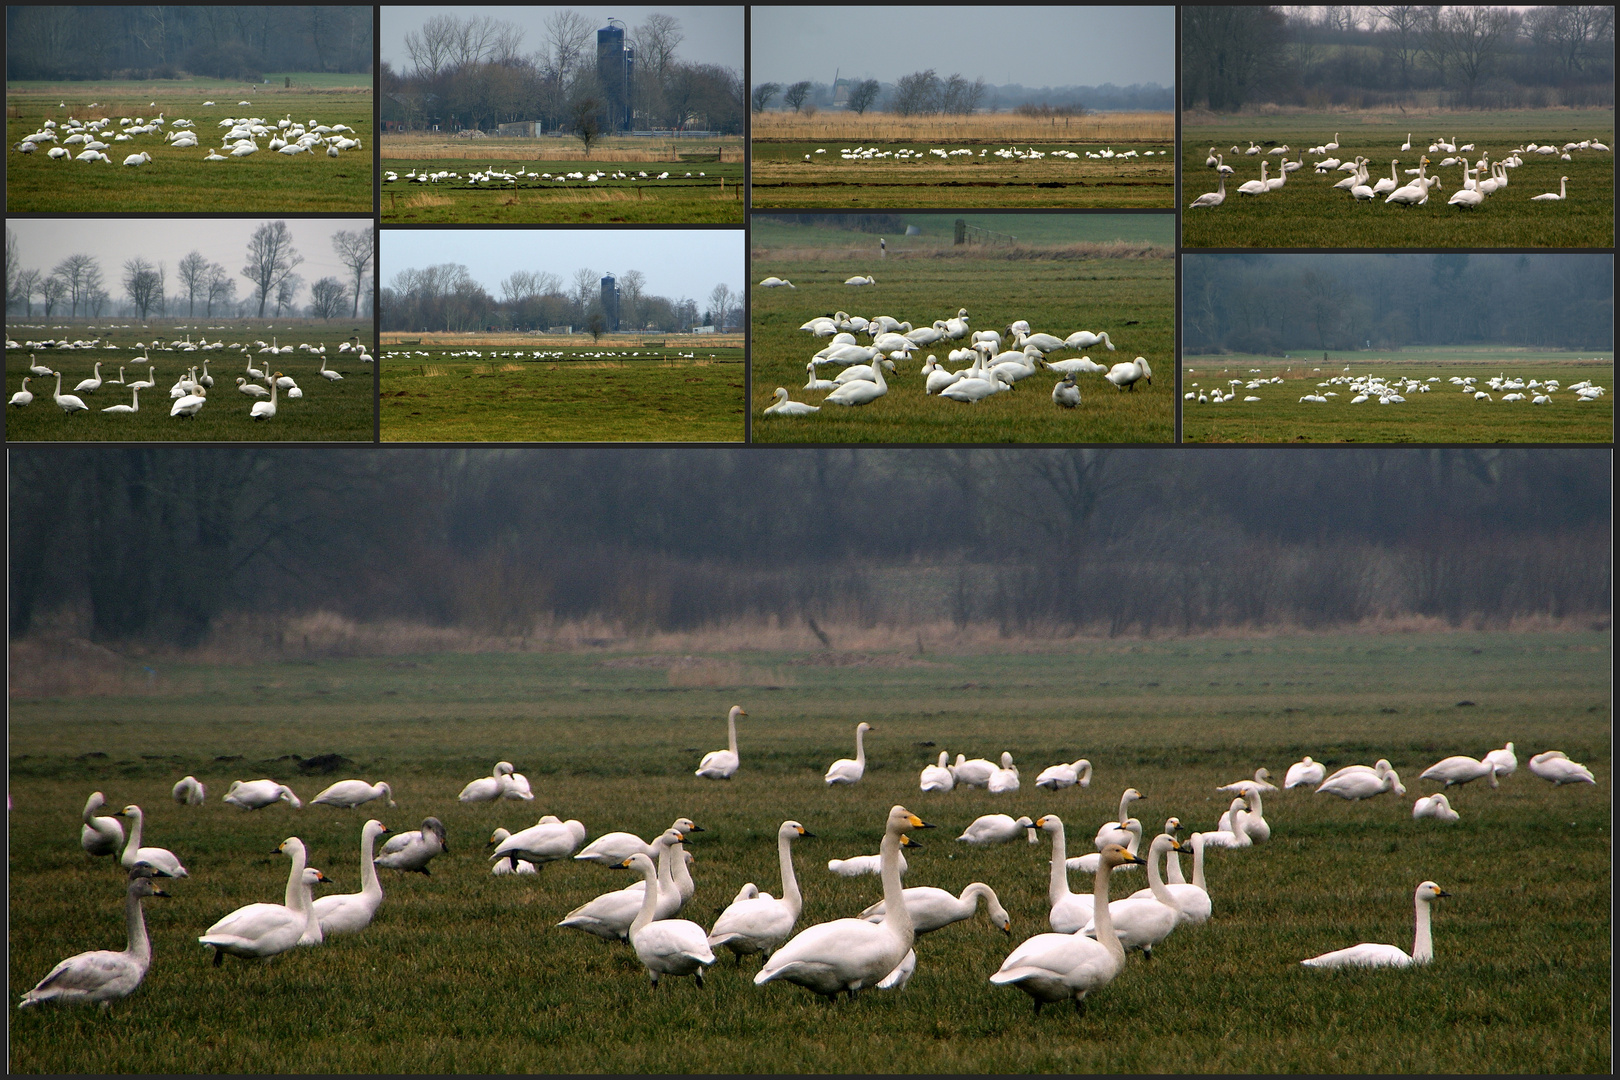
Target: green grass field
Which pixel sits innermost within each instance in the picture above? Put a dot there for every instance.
(464, 972)
(695, 192)
(1309, 212)
(783, 179)
(335, 410)
(176, 181)
(1443, 415)
(1058, 290)
(682, 393)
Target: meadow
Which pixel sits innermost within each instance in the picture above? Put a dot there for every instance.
(518, 388)
(1120, 280)
(330, 410)
(1444, 415)
(797, 161)
(1308, 212)
(704, 183)
(177, 181)
(465, 972)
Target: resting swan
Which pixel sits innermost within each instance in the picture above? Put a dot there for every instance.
(1555, 766)
(1460, 769)
(350, 913)
(504, 867)
(1143, 922)
(1305, 773)
(1372, 955)
(850, 954)
(1262, 780)
(265, 930)
(996, 829)
(1254, 823)
(258, 794)
(1436, 806)
(869, 864)
(1055, 777)
(665, 946)
(850, 770)
(100, 835)
(412, 851)
(546, 841)
(189, 791)
(1052, 967)
(1005, 779)
(786, 407)
(160, 858)
(104, 976)
(1237, 837)
(938, 777)
(1092, 861)
(351, 793)
(975, 773)
(488, 788)
(1069, 911)
(933, 909)
(722, 764)
(760, 924)
(1356, 782)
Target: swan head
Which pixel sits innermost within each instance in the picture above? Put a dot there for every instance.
(1429, 891)
(375, 828)
(313, 876)
(1046, 822)
(390, 791)
(792, 830)
(1381, 766)
(436, 827)
(736, 711)
(1132, 795)
(906, 841)
(1006, 760)
(781, 393)
(144, 869)
(901, 819)
(638, 861)
(141, 885)
(504, 768)
(1163, 843)
(1113, 855)
(291, 847)
(1172, 826)
(130, 811)
(498, 835)
(687, 825)
(97, 800)
(863, 726)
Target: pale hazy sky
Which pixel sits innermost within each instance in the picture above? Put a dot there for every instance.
(677, 262)
(714, 35)
(1034, 46)
(44, 242)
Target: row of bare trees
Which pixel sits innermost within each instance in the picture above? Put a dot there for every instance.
(1037, 541)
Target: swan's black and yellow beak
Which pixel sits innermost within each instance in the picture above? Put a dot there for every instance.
(906, 841)
(1137, 859)
(695, 827)
(1441, 892)
(919, 823)
(159, 892)
(806, 832)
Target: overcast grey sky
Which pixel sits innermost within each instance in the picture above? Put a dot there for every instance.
(677, 262)
(1034, 46)
(44, 242)
(714, 35)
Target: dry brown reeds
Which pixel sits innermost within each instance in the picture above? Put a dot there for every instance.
(980, 127)
(436, 147)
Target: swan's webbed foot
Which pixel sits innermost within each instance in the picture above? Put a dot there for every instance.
(219, 957)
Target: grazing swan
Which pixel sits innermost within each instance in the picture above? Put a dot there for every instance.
(1504, 761)
(760, 924)
(190, 792)
(850, 770)
(665, 946)
(547, 841)
(488, 788)
(265, 930)
(1113, 832)
(1550, 197)
(104, 976)
(412, 851)
(1358, 782)
(1262, 780)
(1085, 339)
(1254, 823)
(1090, 862)
(1370, 955)
(785, 407)
(1127, 373)
(100, 835)
(776, 283)
(975, 773)
(1211, 199)
(932, 909)
(1460, 769)
(351, 793)
(350, 913)
(997, 829)
(850, 954)
(1554, 765)
(160, 858)
(611, 915)
(1235, 837)
(1143, 922)
(1062, 776)
(1069, 911)
(1305, 773)
(1436, 806)
(258, 794)
(1191, 900)
(722, 764)
(1053, 967)
(504, 867)
(938, 777)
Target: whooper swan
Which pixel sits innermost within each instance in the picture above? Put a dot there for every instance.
(722, 764)
(104, 976)
(938, 777)
(1143, 922)
(1059, 776)
(265, 930)
(160, 858)
(665, 946)
(1372, 955)
(760, 924)
(350, 913)
(100, 835)
(850, 770)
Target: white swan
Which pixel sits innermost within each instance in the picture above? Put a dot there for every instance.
(257, 794)
(488, 788)
(23, 397)
(1091, 861)
(1059, 776)
(1255, 187)
(1211, 199)
(541, 843)
(611, 915)
(1067, 911)
(190, 791)
(504, 867)
(410, 852)
(265, 930)
(611, 849)
(1254, 822)
(100, 835)
(1390, 182)
(1191, 899)
(975, 773)
(997, 829)
(1358, 782)
(1504, 761)
(1055, 967)
(1237, 837)
(1371, 955)
(1460, 769)
(665, 946)
(1113, 832)
(1085, 339)
(92, 384)
(776, 283)
(932, 909)
(266, 410)
(160, 858)
(350, 913)
(869, 864)
(1436, 806)
(1127, 373)
(1143, 922)
(722, 764)
(760, 924)
(859, 391)
(1005, 779)
(1550, 197)
(1262, 779)
(134, 405)
(786, 407)
(938, 777)
(850, 954)
(66, 402)
(351, 793)
(104, 976)
(850, 770)
(313, 934)
(1555, 766)
(1305, 773)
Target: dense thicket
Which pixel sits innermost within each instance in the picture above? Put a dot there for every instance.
(1363, 57)
(160, 41)
(1276, 303)
(159, 544)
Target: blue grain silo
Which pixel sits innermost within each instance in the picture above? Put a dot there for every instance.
(615, 70)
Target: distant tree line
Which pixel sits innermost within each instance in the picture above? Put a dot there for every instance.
(1364, 57)
(1038, 542)
(162, 41)
(471, 73)
(447, 297)
(925, 92)
(1271, 303)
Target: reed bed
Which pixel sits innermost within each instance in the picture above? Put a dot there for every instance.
(438, 147)
(890, 127)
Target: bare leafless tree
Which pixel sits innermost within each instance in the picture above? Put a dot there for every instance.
(82, 275)
(220, 287)
(193, 274)
(53, 290)
(569, 35)
(271, 260)
(28, 282)
(356, 250)
(795, 95)
(863, 95)
(143, 284)
(762, 95)
(326, 298)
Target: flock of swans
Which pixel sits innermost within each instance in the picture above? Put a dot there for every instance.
(1085, 949)
(495, 177)
(1478, 179)
(1394, 389)
(287, 137)
(1006, 153)
(990, 370)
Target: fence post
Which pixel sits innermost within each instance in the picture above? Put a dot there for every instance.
(961, 232)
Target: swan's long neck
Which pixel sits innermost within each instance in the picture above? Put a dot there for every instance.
(140, 946)
(860, 748)
(666, 865)
(1198, 862)
(679, 875)
(369, 885)
(970, 896)
(91, 806)
(731, 731)
(1155, 881)
(1172, 868)
(1104, 918)
(1423, 944)
(295, 880)
(790, 881)
(1255, 809)
(649, 899)
(1124, 810)
(1058, 887)
(895, 915)
(1082, 768)
(134, 844)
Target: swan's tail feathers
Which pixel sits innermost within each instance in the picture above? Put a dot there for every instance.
(1017, 974)
(717, 941)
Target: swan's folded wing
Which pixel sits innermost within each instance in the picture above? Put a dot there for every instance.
(759, 918)
(1054, 954)
(897, 979)
(1364, 955)
(86, 972)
